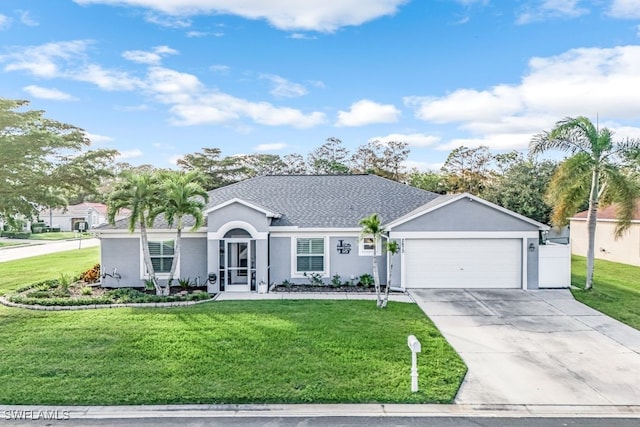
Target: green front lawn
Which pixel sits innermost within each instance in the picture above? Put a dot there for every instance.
(4, 244)
(22, 272)
(616, 289)
(63, 235)
(224, 352)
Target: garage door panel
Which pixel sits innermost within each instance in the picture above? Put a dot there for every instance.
(463, 263)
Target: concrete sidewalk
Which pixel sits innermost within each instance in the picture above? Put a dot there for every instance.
(334, 410)
(43, 247)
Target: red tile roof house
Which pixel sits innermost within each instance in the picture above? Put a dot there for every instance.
(275, 228)
(625, 250)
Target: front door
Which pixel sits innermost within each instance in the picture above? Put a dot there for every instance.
(237, 268)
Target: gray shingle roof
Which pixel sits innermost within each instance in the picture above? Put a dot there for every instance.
(323, 201)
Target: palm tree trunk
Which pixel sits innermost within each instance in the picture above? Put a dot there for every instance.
(376, 278)
(591, 227)
(386, 291)
(176, 254)
(147, 257)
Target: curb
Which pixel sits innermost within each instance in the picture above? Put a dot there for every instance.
(332, 410)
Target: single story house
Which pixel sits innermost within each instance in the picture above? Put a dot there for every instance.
(275, 228)
(625, 249)
(70, 218)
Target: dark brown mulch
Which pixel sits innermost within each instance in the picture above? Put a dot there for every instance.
(327, 288)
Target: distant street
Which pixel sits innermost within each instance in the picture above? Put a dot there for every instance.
(337, 422)
(43, 247)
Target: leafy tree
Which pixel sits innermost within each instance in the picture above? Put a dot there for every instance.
(331, 158)
(592, 173)
(262, 164)
(521, 188)
(183, 195)
(395, 153)
(430, 181)
(372, 227)
(140, 193)
(468, 169)
(217, 171)
(295, 164)
(393, 248)
(367, 158)
(42, 160)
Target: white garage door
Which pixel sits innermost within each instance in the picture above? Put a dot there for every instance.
(463, 263)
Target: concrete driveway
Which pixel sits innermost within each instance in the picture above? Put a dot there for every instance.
(536, 347)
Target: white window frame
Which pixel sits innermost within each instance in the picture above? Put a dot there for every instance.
(144, 274)
(294, 256)
(363, 251)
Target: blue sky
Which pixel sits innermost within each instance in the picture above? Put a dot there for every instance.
(156, 79)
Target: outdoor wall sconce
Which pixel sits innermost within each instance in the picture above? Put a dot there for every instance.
(532, 247)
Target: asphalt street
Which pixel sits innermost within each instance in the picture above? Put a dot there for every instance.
(43, 247)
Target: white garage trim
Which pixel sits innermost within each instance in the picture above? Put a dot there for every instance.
(464, 262)
(463, 235)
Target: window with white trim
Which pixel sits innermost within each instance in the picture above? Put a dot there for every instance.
(162, 253)
(366, 245)
(310, 256)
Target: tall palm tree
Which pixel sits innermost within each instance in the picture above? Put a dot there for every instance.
(372, 227)
(393, 248)
(139, 193)
(592, 173)
(184, 196)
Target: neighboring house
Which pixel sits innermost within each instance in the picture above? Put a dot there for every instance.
(625, 250)
(92, 214)
(275, 228)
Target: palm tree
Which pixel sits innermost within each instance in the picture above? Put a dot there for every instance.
(592, 173)
(139, 193)
(393, 248)
(372, 228)
(184, 195)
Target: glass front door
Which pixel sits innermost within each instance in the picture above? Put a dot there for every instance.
(237, 268)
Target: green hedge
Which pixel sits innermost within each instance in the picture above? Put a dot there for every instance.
(16, 234)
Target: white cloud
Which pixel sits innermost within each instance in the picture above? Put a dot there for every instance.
(132, 108)
(130, 154)
(548, 9)
(47, 93)
(302, 36)
(366, 112)
(586, 81)
(5, 22)
(105, 79)
(308, 15)
(98, 139)
(222, 69)
(413, 139)
(276, 146)
(151, 58)
(625, 9)
(167, 21)
(283, 88)
(204, 34)
(26, 19)
(42, 61)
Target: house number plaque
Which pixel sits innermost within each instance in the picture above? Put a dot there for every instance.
(343, 248)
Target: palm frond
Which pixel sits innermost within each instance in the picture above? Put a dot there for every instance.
(622, 191)
(569, 188)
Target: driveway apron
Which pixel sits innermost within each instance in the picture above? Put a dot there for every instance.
(536, 347)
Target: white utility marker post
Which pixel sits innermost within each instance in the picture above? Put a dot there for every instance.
(416, 348)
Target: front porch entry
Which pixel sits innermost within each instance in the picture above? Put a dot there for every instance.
(237, 262)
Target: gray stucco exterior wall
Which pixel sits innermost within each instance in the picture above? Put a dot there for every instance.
(238, 212)
(124, 255)
(345, 265)
(193, 259)
(466, 215)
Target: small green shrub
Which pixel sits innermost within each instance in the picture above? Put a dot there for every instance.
(184, 283)
(366, 280)
(87, 290)
(315, 279)
(148, 285)
(65, 281)
(336, 281)
(287, 284)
